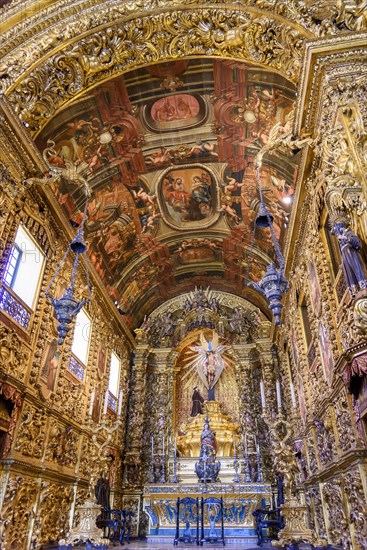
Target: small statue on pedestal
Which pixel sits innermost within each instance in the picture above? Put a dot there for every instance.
(207, 469)
(354, 268)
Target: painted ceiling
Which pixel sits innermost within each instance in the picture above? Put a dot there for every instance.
(168, 152)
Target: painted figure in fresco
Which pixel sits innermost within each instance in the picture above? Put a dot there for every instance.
(161, 157)
(200, 190)
(183, 109)
(175, 194)
(352, 262)
(232, 185)
(144, 196)
(165, 112)
(227, 209)
(197, 401)
(203, 148)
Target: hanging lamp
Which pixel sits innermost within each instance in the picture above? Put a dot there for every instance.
(274, 282)
(67, 307)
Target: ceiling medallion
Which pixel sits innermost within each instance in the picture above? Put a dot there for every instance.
(188, 197)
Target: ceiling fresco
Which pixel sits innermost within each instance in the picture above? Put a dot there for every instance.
(169, 154)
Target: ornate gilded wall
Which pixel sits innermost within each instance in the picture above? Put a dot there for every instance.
(323, 338)
(50, 57)
(50, 452)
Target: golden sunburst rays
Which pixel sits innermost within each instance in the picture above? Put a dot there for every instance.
(192, 361)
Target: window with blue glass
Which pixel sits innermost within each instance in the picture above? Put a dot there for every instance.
(22, 278)
(80, 345)
(12, 265)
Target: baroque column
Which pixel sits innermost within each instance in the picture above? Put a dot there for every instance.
(132, 475)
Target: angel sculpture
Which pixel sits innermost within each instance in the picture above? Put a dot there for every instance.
(209, 362)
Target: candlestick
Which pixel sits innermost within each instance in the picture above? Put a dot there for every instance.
(120, 404)
(163, 446)
(105, 404)
(279, 395)
(152, 440)
(262, 393)
(247, 470)
(91, 402)
(293, 396)
(175, 478)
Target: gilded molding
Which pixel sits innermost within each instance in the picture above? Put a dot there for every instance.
(53, 80)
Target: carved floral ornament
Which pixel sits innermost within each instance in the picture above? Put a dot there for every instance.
(38, 85)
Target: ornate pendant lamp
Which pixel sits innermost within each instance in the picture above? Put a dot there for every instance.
(274, 282)
(67, 307)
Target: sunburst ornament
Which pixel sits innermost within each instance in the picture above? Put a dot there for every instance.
(208, 360)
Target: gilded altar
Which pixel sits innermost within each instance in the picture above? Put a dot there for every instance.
(239, 501)
(226, 430)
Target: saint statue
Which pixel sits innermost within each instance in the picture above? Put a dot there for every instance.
(354, 268)
(102, 492)
(207, 468)
(197, 401)
(208, 440)
(209, 362)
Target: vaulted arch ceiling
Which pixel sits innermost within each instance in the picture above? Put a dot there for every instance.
(163, 109)
(169, 152)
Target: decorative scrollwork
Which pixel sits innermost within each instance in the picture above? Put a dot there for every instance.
(152, 39)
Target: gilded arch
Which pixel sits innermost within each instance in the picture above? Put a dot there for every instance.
(45, 73)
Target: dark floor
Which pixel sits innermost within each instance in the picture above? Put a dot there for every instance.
(166, 546)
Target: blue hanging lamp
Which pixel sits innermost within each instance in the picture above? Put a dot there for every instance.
(67, 307)
(274, 282)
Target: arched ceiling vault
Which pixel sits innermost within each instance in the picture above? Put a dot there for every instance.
(163, 108)
(53, 59)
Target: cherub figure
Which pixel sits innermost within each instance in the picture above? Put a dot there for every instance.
(162, 156)
(144, 196)
(229, 210)
(232, 185)
(202, 148)
(150, 221)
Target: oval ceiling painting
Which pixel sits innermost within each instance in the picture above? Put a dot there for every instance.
(188, 197)
(175, 111)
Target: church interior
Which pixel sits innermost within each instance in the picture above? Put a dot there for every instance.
(183, 274)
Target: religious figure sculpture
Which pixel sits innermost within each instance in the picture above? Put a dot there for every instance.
(197, 401)
(354, 268)
(102, 492)
(207, 468)
(209, 362)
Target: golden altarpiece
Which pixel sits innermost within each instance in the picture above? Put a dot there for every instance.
(160, 110)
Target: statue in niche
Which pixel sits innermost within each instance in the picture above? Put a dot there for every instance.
(207, 468)
(197, 402)
(354, 268)
(209, 362)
